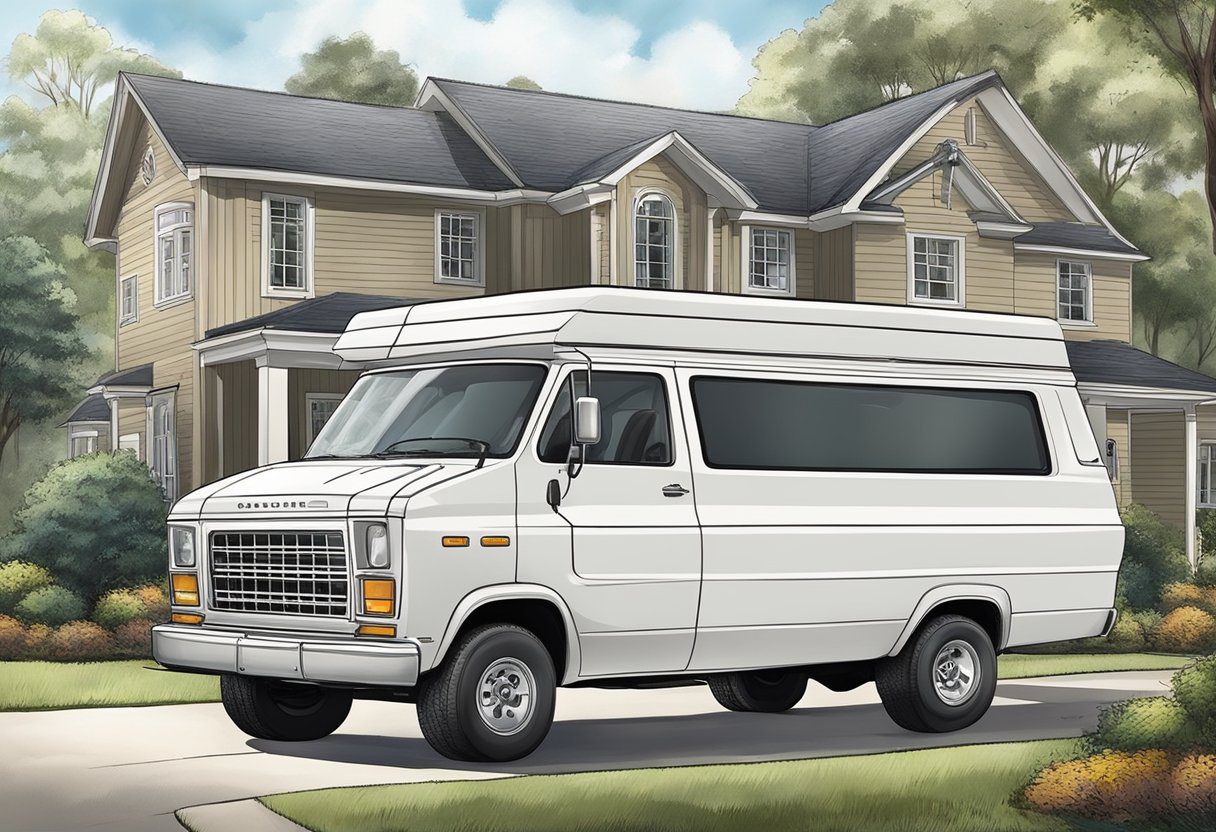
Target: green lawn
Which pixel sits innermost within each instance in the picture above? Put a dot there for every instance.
(42, 686)
(939, 790)
(1022, 665)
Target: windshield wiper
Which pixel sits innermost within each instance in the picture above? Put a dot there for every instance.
(481, 447)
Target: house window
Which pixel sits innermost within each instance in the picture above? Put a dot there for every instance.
(1207, 488)
(83, 442)
(163, 429)
(128, 300)
(771, 265)
(458, 252)
(654, 220)
(174, 252)
(935, 269)
(321, 407)
(1074, 291)
(287, 245)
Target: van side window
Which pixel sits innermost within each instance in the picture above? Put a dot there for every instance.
(800, 426)
(635, 425)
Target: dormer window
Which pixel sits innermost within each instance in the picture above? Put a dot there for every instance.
(654, 221)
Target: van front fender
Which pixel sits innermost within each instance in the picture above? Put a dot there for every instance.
(513, 592)
(940, 595)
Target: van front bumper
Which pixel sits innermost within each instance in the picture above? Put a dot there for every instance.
(341, 661)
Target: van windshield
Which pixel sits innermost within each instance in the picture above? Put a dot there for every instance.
(468, 410)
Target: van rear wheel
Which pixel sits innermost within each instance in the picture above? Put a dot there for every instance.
(492, 699)
(285, 711)
(758, 691)
(943, 680)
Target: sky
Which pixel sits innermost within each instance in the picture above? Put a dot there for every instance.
(686, 53)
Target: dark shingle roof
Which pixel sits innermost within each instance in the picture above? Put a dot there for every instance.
(327, 313)
(140, 376)
(1075, 235)
(1114, 362)
(231, 126)
(93, 408)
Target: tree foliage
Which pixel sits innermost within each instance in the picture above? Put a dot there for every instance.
(40, 340)
(352, 69)
(523, 82)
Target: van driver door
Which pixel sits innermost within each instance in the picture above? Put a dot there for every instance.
(633, 579)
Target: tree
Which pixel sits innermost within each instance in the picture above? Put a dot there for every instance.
(69, 59)
(523, 82)
(352, 69)
(1181, 34)
(39, 337)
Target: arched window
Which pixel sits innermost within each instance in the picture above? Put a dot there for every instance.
(654, 244)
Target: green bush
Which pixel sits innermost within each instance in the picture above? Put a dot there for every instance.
(1127, 636)
(1154, 555)
(1138, 724)
(96, 522)
(1195, 689)
(1205, 574)
(19, 579)
(53, 605)
(120, 606)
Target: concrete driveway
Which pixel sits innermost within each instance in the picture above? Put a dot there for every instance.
(129, 769)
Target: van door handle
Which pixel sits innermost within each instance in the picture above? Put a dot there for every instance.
(674, 490)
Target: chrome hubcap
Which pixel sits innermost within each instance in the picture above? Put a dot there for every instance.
(956, 672)
(505, 696)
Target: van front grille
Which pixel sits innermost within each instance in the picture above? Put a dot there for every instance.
(289, 573)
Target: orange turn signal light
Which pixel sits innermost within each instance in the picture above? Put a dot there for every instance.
(496, 540)
(185, 589)
(454, 541)
(378, 596)
(376, 630)
(187, 618)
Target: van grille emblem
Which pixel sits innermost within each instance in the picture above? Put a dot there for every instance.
(284, 504)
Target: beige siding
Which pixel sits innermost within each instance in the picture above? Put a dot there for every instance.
(691, 209)
(1158, 477)
(997, 159)
(555, 248)
(1036, 282)
(804, 258)
(133, 418)
(1118, 429)
(601, 243)
(299, 384)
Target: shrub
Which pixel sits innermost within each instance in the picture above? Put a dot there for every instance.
(1205, 573)
(1193, 784)
(1107, 785)
(1186, 630)
(96, 522)
(156, 600)
(133, 639)
(17, 580)
(1195, 689)
(50, 605)
(36, 637)
(1154, 555)
(1148, 620)
(1178, 595)
(1138, 724)
(12, 638)
(80, 641)
(1127, 635)
(118, 607)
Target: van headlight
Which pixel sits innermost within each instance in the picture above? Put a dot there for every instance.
(377, 546)
(181, 545)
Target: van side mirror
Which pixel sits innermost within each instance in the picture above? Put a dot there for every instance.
(586, 420)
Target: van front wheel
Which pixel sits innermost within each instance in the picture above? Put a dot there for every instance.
(492, 699)
(944, 678)
(286, 711)
(759, 691)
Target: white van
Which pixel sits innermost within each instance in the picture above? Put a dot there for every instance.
(619, 487)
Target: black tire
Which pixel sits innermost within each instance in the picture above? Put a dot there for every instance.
(759, 691)
(289, 712)
(449, 699)
(906, 682)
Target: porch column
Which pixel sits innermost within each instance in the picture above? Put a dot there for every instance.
(113, 426)
(1192, 484)
(272, 413)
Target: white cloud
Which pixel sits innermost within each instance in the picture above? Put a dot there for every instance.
(559, 46)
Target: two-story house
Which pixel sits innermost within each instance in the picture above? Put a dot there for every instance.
(249, 226)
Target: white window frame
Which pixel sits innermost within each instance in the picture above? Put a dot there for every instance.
(90, 438)
(308, 289)
(175, 231)
(479, 246)
(163, 457)
(791, 282)
(309, 399)
(960, 269)
(676, 281)
(1089, 294)
(1207, 455)
(131, 317)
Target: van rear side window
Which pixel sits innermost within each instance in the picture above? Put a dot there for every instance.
(798, 426)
